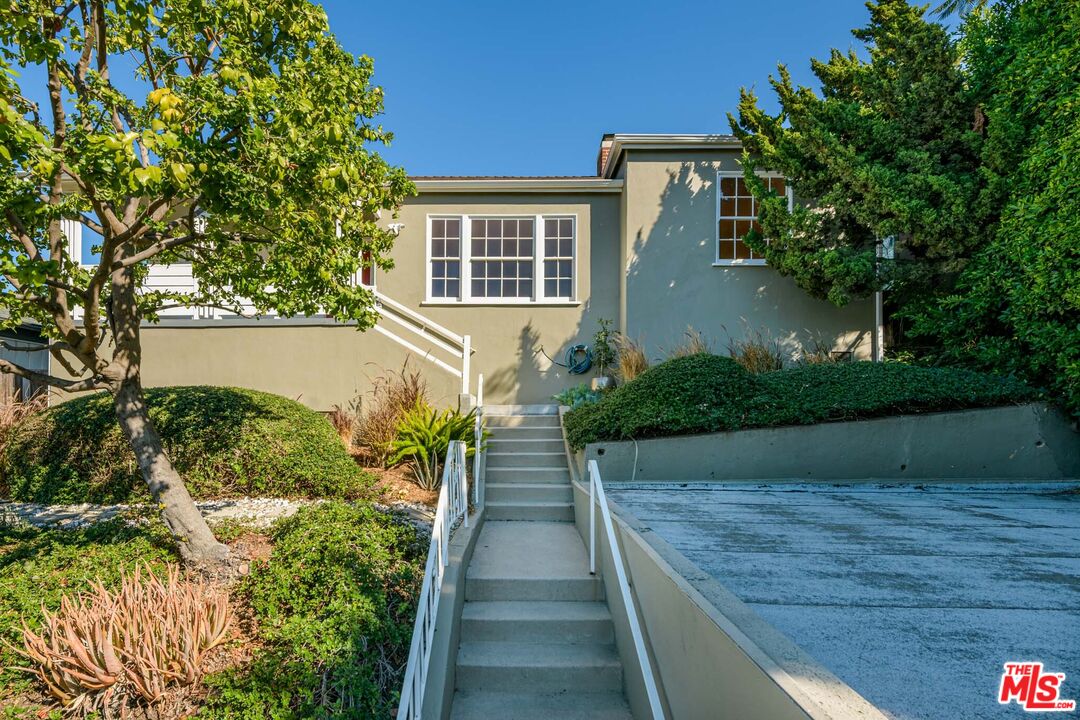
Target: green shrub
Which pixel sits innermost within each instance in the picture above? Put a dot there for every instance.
(423, 438)
(225, 442)
(691, 394)
(704, 393)
(577, 396)
(334, 608)
(38, 566)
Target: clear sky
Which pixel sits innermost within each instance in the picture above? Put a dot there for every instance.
(476, 87)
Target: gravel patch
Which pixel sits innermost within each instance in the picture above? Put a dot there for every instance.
(258, 512)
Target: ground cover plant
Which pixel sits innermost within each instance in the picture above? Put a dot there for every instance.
(322, 625)
(38, 567)
(225, 442)
(707, 393)
(333, 606)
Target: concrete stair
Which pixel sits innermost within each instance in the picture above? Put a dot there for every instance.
(537, 640)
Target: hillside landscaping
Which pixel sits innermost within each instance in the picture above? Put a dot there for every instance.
(704, 393)
(225, 442)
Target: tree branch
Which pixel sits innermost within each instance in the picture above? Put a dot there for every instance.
(95, 382)
(151, 251)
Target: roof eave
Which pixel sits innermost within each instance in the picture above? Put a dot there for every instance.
(519, 185)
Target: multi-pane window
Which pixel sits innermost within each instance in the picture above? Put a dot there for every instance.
(446, 257)
(502, 257)
(737, 213)
(528, 258)
(559, 257)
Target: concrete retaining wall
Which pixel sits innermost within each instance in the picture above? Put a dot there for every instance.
(1025, 442)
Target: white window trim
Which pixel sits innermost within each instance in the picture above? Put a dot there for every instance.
(741, 262)
(465, 296)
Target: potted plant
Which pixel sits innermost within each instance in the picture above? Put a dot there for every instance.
(603, 355)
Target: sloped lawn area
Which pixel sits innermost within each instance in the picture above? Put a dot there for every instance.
(704, 393)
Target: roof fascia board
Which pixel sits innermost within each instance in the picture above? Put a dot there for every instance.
(587, 185)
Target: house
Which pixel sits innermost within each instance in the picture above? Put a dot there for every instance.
(23, 345)
(500, 275)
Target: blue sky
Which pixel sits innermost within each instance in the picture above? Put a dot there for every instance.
(527, 88)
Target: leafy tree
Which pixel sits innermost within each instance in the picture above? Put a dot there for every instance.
(230, 134)
(887, 149)
(1016, 308)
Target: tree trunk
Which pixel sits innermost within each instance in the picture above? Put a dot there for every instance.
(187, 525)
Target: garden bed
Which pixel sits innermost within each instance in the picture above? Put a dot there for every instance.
(323, 615)
(705, 393)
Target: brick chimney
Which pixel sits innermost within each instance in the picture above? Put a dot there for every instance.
(605, 150)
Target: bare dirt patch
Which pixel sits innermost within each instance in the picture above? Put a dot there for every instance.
(396, 485)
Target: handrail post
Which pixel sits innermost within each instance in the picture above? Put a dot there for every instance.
(459, 460)
(478, 442)
(466, 357)
(592, 520)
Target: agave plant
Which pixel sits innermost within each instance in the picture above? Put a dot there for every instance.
(423, 437)
(103, 649)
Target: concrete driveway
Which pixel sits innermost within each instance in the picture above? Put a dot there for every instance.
(915, 596)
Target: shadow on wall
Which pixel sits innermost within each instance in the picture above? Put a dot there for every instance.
(505, 380)
(672, 283)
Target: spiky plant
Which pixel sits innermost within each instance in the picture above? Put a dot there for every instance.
(423, 437)
(104, 650)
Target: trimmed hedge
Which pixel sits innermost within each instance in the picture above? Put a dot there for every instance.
(225, 442)
(706, 393)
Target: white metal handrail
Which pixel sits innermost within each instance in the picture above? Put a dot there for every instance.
(597, 496)
(453, 505)
(460, 346)
(479, 454)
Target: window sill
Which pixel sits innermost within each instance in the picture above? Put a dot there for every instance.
(740, 263)
(481, 303)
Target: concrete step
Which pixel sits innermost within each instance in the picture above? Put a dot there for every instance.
(570, 622)
(532, 421)
(529, 476)
(500, 443)
(480, 705)
(538, 667)
(528, 492)
(531, 511)
(564, 589)
(535, 409)
(498, 459)
(525, 433)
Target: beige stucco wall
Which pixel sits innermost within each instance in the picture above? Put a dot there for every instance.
(329, 364)
(667, 253)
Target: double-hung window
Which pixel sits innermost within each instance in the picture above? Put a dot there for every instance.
(736, 214)
(501, 258)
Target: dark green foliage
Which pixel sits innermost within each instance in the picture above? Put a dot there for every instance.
(225, 442)
(1017, 307)
(702, 394)
(692, 394)
(886, 149)
(334, 609)
(38, 566)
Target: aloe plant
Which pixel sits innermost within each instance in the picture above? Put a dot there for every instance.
(423, 437)
(105, 649)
